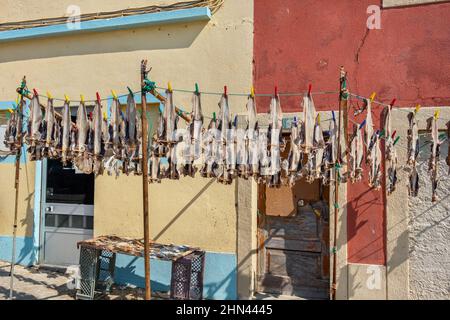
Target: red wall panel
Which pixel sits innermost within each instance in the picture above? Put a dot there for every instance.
(298, 42)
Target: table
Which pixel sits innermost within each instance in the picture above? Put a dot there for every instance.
(98, 257)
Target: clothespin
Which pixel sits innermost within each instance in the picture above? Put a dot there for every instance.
(276, 91)
(334, 116)
(393, 102)
(318, 119)
(417, 109)
(225, 91)
(309, 90)
(396, 140)
(295, 119)
(362, 125)
(214, 116)
(82, 98)
(436, 114)
(372, 96)
(105, 116)
(130, 91)
(98, 97)
(197, 91)
(35, 93)
(235, 121)
(393, 135)
(114, 94)
(10, 110)
(382, 133)
(252, 92)
(169, 87)
(66, 98)
(49, 95)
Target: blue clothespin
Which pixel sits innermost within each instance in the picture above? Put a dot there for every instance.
(362, 124)
(334, 116)
(235, 120)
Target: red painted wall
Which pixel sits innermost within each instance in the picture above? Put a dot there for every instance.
(298, 42)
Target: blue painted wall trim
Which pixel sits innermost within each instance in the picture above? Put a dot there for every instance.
(220, 276)
(24, 250)
(37, 210)
(134, 21)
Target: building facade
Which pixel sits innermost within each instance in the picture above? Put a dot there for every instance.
(389, 247)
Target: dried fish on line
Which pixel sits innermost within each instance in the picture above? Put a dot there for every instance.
(432, 126)
(413, 152)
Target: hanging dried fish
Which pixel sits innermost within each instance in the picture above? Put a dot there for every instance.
(391, 155)
(97, 130)
(193, 153)
(330, 155)
(66, 124)
(376, 155)
(52, 131)
(226, 151)
(82, 158)
(432, 126)
(277, 143)
(368, 130)
(293, 164)
(356, 155)
(211, 142)
(413, 152)
(13, 130)
(171, 139)
(129, 135)
(252, 138)
(34, 137)
(309, 121)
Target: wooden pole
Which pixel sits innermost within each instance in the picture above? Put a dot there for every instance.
(144, 73)
(16, 187)
(342, 107)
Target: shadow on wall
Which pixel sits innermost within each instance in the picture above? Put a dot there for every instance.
(173, 36)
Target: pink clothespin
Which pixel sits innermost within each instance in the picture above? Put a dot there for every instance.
(225, 91)
(98, 97)
(309, 89)
(276, 91)
(35, 92)
(393, 102)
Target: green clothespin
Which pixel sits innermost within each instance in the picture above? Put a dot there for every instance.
(214, 116)
(130, 91)
(396, 140)
(382, 133)
(196, 89)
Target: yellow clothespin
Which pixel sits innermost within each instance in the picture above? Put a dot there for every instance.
(10, 110)
(49, 96)
(104, 115)
(66, 98)
(169, 87)
(417, 109)
(436, 114)
(318, 118)
(372, 97)
(114, 95)
(252, 92)
(18, 99)
(82, 98)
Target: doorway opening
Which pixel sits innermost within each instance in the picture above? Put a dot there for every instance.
(293, 240)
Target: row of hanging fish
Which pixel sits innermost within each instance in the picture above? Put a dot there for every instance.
(91, 143)
(224, 148)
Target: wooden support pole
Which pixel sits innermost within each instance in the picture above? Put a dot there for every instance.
(342, 117)
(16, 187)
(144, 73)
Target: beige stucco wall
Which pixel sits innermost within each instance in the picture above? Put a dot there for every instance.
(215, 53)
(26, 199)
